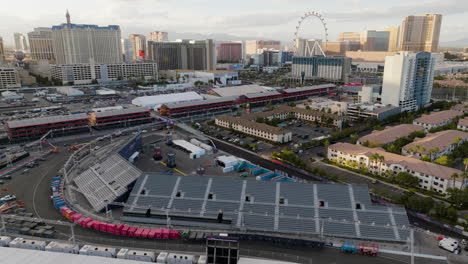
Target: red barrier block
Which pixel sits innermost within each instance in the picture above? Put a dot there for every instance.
(76, 217)
(158, 234)
(174, 234)
(138, 232)
(118, 229)
(131, 231)
(124, 231)
(152, 233)
(165, 233)
(145, 233)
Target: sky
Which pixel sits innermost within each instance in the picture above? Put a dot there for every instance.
(258, 19)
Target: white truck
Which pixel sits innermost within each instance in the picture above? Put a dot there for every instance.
(450, 244)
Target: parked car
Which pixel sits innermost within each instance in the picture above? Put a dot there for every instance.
(7, 198)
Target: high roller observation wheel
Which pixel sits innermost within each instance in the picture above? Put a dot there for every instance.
(310, 15)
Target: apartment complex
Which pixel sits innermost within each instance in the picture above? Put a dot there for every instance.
(41, 44)
(75, 43)
(183, 54)
(9, 78)
(408, 79)
(257, 46)
(336, 69)
(463, 124)
(389, 134)
(436, 119)
(86, 73)
(138, 46)
(20, 42)
(229, 52)
(260, 130)
(420, 33)
(461, 107)
(435, 145)
(158, 36)
(284, 112)
(431, 176)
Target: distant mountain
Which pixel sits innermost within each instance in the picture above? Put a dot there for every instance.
(461, 43)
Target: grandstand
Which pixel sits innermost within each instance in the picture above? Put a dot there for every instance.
(264, 206)
(106, 181)
(120, 118)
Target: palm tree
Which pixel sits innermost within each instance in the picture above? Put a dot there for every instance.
(464, 177)
(465, 162)
(454, 176)
(433, 151)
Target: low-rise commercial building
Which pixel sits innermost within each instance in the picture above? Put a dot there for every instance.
(59, 125)
(431, 176)
(120, 118)
(335, 69)
(463, 124)
(252, 128)
(156, 101)
(363, 111)
(435, 145)
(197, 107)
(9, 78)
(389, 134)
(218, 77)
(86, 73)
(437, 119)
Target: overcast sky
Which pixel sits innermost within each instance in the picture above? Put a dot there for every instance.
(275, 19)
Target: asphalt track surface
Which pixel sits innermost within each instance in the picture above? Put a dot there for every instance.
(33, 189)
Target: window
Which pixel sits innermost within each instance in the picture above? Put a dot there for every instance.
(178, 194)
(358, 206)
(321, 203)
(210, 196)
(247, 198)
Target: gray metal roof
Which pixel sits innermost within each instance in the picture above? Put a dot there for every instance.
(300, 89)
(45, 120)
(301, 212)
(122, 111)
(201, 102)
(267, 93)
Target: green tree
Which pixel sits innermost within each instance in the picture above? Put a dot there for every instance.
(406, 179)
(454, 177)
(440, 210)
(354, 138)
(465, 162)
(426, 158)
(452, 214)
(443, 160)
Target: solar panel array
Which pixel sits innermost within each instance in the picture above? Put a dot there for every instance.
(284, 207)
(106, 181)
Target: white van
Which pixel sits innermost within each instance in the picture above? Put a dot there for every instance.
(450, 244)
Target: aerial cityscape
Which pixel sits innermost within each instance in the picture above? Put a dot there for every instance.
(269, 132)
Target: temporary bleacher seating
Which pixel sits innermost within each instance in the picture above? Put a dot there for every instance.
(117, 229)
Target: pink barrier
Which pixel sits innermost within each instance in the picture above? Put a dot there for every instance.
(102, 227)
(165, 233)
(158, 234)
(118, 229)
(76, 217)
(174, 234)
(131, 231)
(110, 228)
(124, 231)
(152, 233)
(138, 232)
(145, 233)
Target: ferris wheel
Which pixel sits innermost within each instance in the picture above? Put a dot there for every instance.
(310, 47)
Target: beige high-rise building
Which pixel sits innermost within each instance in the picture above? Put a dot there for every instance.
(420, 33)
(41, 44)
(158, 36)
(2, 50)
(370, 40)
(138, 46)
(183, 54)
(394, 38)
(257, 46)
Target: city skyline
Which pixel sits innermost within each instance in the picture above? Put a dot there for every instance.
(249, 19)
